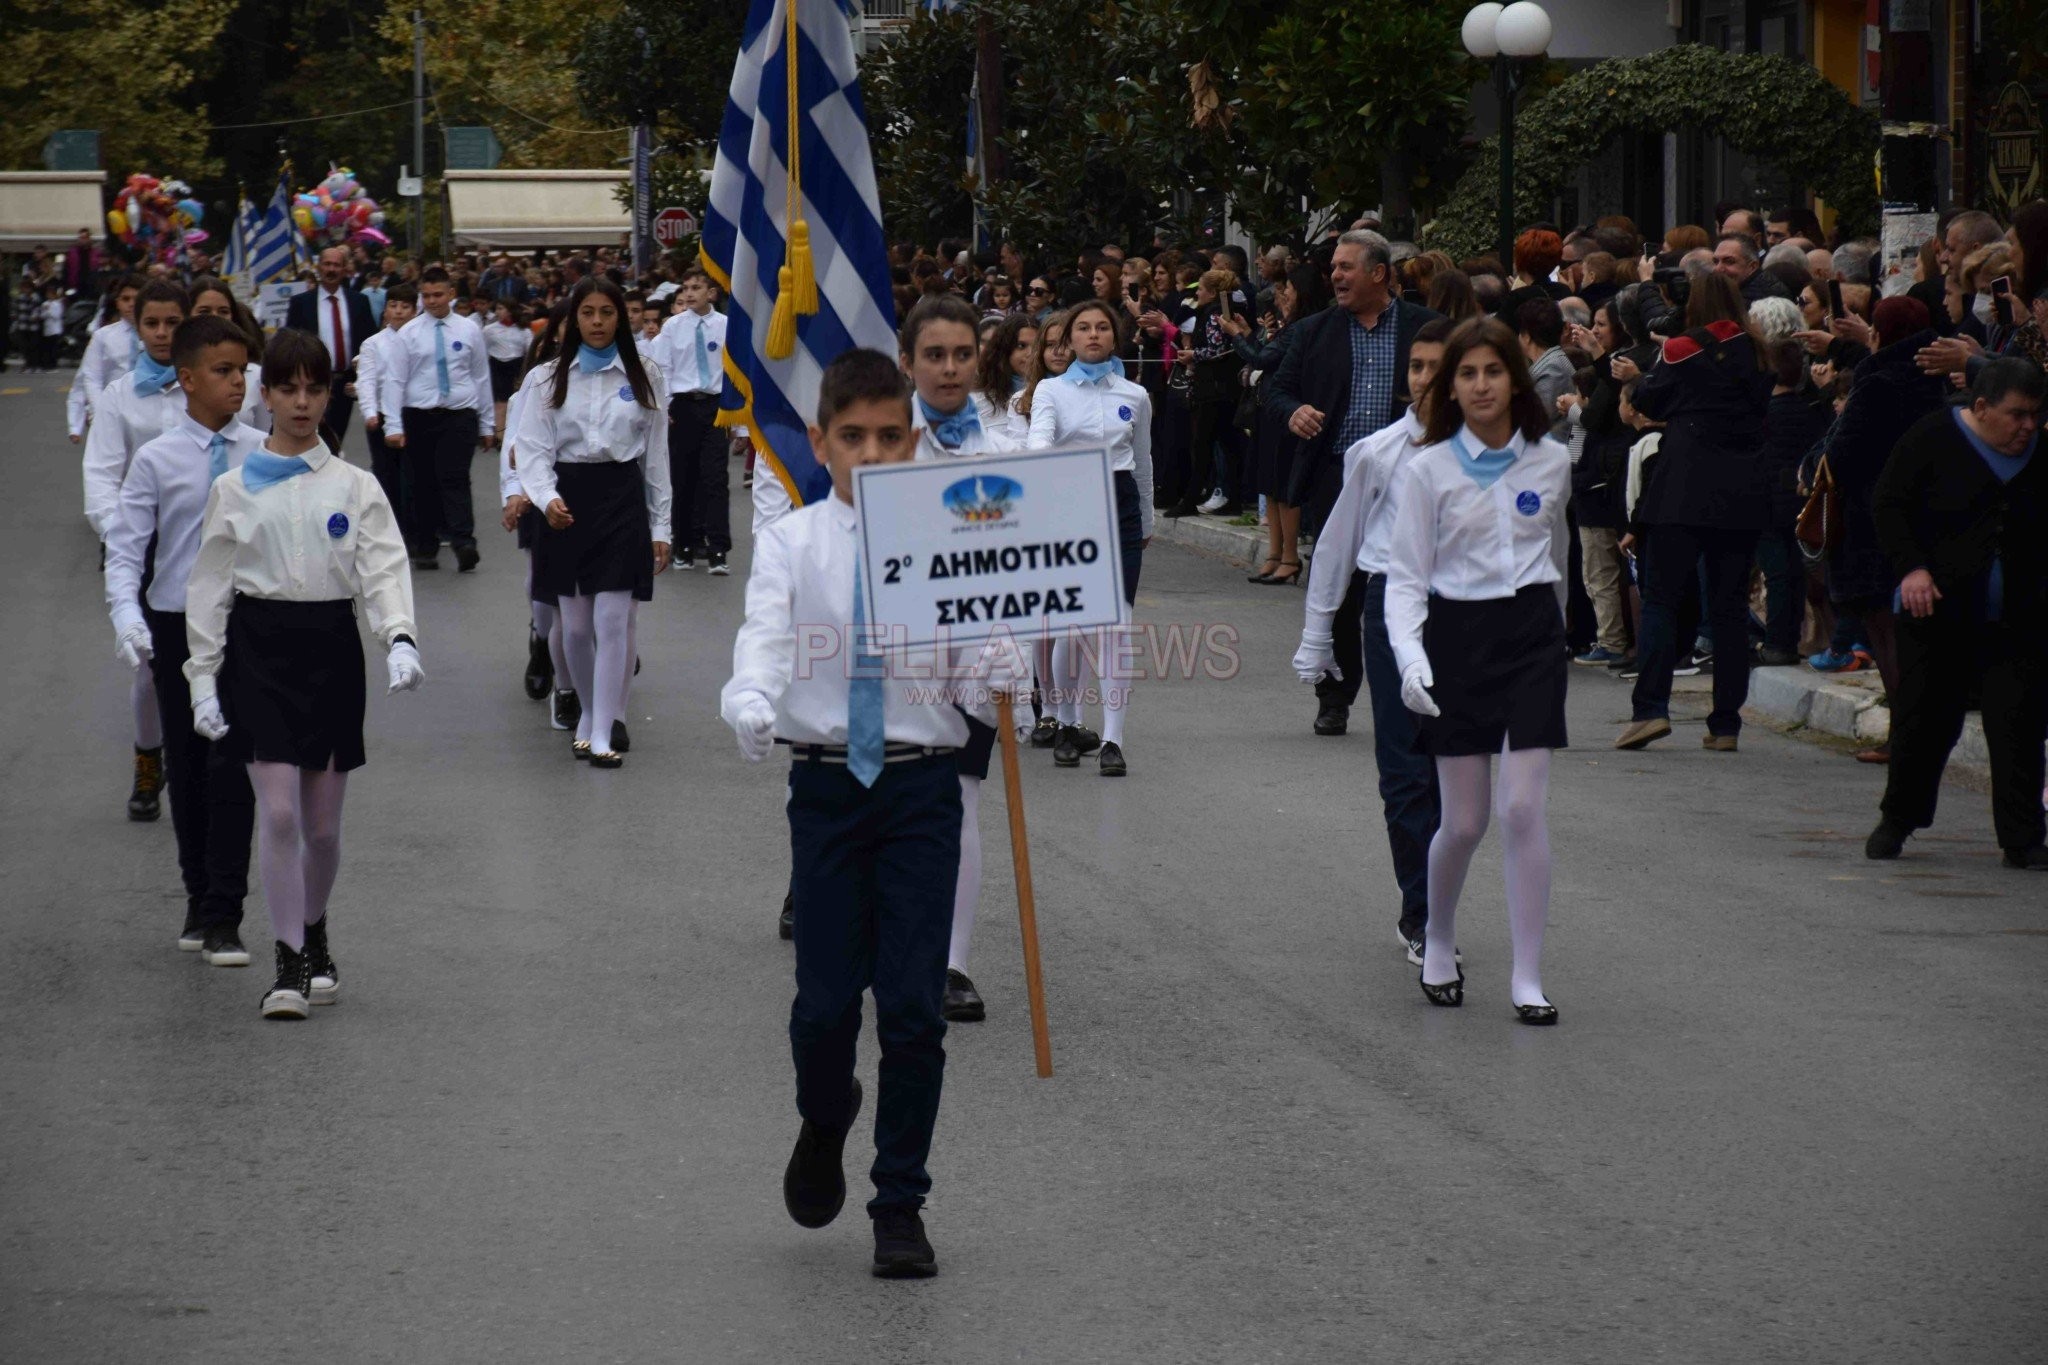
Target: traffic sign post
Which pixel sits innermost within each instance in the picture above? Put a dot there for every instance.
(672, 226)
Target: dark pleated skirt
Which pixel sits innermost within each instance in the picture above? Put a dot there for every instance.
(291, 684)
(608, 549)
(1500, 669)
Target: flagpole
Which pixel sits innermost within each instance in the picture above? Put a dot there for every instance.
(1027, 910)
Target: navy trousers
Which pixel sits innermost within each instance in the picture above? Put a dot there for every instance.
(1408, 791)
(875, 869)
(213, 808)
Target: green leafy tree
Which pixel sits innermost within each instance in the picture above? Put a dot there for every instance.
(915, 89)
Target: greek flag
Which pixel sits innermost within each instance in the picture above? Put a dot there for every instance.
(235, 259)
(793, 233)
(273, 240)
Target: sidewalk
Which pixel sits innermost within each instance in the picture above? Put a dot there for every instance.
(1795, 699)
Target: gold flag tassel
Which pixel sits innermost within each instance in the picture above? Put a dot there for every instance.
(796, 283)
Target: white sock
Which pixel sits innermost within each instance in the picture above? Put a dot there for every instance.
(1116, 686)
(1525, 850)
(967, 890)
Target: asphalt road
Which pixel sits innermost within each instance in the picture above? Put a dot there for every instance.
(1794, 1111)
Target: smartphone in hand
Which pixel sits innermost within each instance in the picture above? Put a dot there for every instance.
(2001, 300)
(1835, 308)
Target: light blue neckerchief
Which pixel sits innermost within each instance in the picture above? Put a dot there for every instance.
(1486, 467)
(1081, 371)
(951, 428)
(149, 376)
(1016, 384)
(590, 360)
(260, 469)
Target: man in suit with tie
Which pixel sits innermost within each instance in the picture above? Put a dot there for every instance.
(341, 318)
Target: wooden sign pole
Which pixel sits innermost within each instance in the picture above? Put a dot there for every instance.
(1020, 855)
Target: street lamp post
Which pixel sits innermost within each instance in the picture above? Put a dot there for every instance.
(1503, 35)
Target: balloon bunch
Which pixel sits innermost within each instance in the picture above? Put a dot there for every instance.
(160, 216)
(338, 210)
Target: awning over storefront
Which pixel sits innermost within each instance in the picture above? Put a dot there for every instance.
(537, 208)
(47, 208)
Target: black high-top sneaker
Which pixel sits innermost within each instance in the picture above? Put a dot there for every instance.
(566, 711)
(540, 668)
(323, 977)
(144, 799)
(287, 996)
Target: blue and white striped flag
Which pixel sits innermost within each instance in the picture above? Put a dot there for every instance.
(273, 240)
(746, 240)
(235, 259)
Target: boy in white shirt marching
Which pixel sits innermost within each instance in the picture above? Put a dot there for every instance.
(874, 814)
(375, 392)
(440, 373)
(692, 356)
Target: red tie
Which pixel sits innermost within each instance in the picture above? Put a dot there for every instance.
(340, 341)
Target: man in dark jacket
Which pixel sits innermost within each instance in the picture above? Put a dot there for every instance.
(340, 317)
(1341, 381)
(1736, 256)
(1960, 510)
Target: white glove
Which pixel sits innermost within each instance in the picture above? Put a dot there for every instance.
(404, 665)
(1316, 659)
(207, 719)
(1415, 685)
(1003, 665)
(754, 724)
(134, 647)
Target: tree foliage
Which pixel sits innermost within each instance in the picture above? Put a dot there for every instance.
(126, 67)
(665, 61)
(1772, 108)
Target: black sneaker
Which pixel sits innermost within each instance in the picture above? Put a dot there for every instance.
(686, 560)
(425, 563)
(1046, 733)
(193, 936)
(466, 558)
(540, 668)
(1066, 747)
(1686, 666)
(1110, 760)
(785, 923)
(287, 996)
(2033, 859)
(716, 566)
(566, 711)
(145, 801)
(621, 741)
(814, 1185)
(1625, 662)
(902, 1251)
(1332, 718)
(1885, 842)
(962, 1003)
(223, 948)
(324, 978)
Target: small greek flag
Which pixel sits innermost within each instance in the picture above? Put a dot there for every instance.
(273, 239)
(793, 233)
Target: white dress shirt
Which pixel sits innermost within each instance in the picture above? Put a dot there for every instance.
(1355, 535)
(1472, 544)
(111, 353)
(508, 459)
(1109, 411)
(800, 597)
(124, 421)
(325, 304)
(415, 381)
(164, 496)
(990, 440)
(681, 337)
(1011, 424)
(599, 422)
(373, 372)
(282, 544)
(505, 343)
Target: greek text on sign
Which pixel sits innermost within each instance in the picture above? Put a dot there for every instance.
(956, 551)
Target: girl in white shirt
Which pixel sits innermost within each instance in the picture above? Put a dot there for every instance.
(1005, 367)
(1475, 615)
(1049, 359)
(547, 667)
(110, 354)
(506, 338)
(291, 542)
(593, 457)
(1092, 402)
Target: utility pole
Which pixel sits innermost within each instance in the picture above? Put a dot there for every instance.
(419, 135)
(643, 170)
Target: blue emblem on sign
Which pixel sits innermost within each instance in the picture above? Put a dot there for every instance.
(1528, 503)
(1124, 412)
(625, 393)
(337, 525)
(986, 497)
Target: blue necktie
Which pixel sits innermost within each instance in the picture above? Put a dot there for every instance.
(441, 355)
(217, 457)
(863, 697)
(703, 359)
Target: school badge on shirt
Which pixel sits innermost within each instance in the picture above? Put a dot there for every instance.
(1528, 503)
(337, 525)
(625, 393)
(1124, 412)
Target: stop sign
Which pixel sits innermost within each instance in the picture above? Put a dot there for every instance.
(672, 225)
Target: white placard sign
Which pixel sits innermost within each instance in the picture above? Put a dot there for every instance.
(954, 550)
(273, 301)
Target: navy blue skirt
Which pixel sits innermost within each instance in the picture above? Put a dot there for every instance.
(1500, 668)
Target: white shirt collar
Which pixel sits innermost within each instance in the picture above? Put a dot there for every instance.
(314, 458)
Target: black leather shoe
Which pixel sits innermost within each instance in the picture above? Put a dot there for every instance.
(1333, 718)
(2033, 859)
(785, 923)
(621, 741)
(1111, 761)
(902, 1251)
(1085, 739)
(567, 710)
(1450, 995)
(466, 558)
(1065, 752)
(1539, 1015)
(962, 1003)
(540, 668)
(426, 563)
(1885, 841)
(1180, 509)
(814, 1185)
(1046, 733)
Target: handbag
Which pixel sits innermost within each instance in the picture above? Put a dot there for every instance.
(1819, 528)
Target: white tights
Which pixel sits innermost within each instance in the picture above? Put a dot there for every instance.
(298, 844)
(597, 638)
(1106, 654)
(149, 722)
(1462, 784)
(967, 890)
